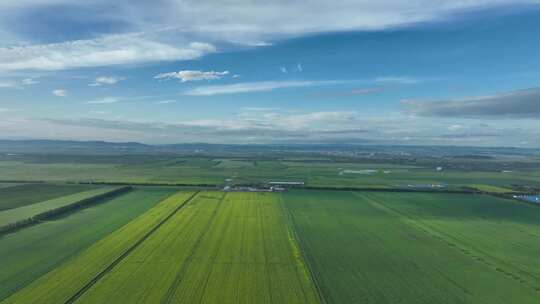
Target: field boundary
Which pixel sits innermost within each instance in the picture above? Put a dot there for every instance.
(117, 260)
(306, 261)
(218, 187)
(56, 212)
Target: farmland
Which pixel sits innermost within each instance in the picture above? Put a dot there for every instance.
(362, 251)
(318, 171)
(207, 229)
(189, 258)
(21, 195)
(153, 246)
(30, 253)
(15, 216)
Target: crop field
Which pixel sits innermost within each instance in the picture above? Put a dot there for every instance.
(15, 215)
(211, 170)
(165, 245)
(217, 248)
(389, 248)
(21, 195)
(64, 282)
(31, 252)
(246, 255)
(503, 234)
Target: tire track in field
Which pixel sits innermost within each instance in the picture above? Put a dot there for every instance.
(116, 261)
(167, 298)
(212, 261)
(265, 250)
(478, 255)
(307, 264)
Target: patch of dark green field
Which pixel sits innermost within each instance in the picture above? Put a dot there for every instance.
(28, 194)
(362, 250)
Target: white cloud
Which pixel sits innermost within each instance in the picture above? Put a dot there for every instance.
(60, 93)
(299, 67)
(6, 110)
(29, 81)
(279, 127)
(106, 80)
(107, 50)
(9, 85)
(97, 112)
(168, 101)
(514, 104)
(283, 70)
(171, 26)
(18, 84)
(259, 109)
(248, 87)
(397, 79)
(188, 75)
(104, 100)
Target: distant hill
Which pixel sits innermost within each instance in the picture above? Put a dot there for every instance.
(109, 148)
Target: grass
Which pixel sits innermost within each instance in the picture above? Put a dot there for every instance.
(32, 252)
(216, 249)
(28, 194)
(362, 251)
(60, 284)
(13, 216)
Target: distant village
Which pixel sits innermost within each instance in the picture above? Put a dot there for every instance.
(271, 186)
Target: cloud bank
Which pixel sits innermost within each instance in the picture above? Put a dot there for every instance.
(515, 104)
(275, 126)
(108, 50)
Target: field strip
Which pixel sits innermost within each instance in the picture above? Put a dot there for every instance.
(298, 246)
(14, 219)
(102, 273)
(167, 298)
(478, 255)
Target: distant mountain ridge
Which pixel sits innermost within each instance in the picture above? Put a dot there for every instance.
(43, 146)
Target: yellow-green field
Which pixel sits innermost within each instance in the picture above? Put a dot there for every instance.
(217, 248)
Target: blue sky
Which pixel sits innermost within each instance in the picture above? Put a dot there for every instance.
(391, 72)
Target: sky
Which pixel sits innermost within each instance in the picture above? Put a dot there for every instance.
(418, 72)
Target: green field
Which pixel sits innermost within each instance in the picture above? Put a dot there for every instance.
(300, 246)
(12, 216)
(30, 253)
(362, 251)
(502, 233)
(21, 195)
(190, 258)
(60, 284)
(326, 172)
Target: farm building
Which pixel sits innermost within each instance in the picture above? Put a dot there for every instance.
(286, 183)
